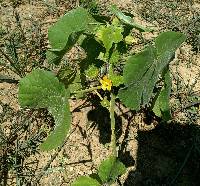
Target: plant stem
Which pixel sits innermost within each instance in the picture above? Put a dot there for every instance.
(99, 95)
(112, 119)
(87, 90)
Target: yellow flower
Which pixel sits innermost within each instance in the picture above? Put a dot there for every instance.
(106, 83)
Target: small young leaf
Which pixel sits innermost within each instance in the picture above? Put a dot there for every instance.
(41, 89)
(110, 169)
(102, 57)
(108, 35)
(85, 181)
(92, 71)
(116, 79)
(105, 103)
(76, 85)
(116, 22)
(117, 34)
(114, 59)
(130, 40)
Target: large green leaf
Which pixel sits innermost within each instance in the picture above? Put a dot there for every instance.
(76, 20)
(166, 44)
(66, 31)
(141, 71)
(161, 105)
(85, 181)
(137, 72)
(41, 89)
(110, 169)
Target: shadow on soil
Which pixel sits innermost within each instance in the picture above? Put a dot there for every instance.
(101, 117)
(167, 155)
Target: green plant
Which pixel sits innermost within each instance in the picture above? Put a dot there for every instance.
(140, 81)
(108, 171)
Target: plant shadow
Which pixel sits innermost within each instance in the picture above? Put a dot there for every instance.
(101, 118)
(167, 155)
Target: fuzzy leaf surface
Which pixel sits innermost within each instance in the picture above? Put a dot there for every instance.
(115, 56)
(109, 34)
(74, 21)
(142, 70)
(92, 71)
(66, 31)
(161, 106)
(115, 78)
(41, 89)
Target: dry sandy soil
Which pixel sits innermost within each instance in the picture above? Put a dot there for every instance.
(155, 153)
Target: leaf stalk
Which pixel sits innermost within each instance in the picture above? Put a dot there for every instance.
(87, 90)
(112, 119)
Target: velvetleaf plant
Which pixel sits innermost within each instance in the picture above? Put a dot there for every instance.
(132, 80)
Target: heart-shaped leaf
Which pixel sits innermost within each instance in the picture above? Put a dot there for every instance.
(141, 71)
(66, 31)
(41, 89)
